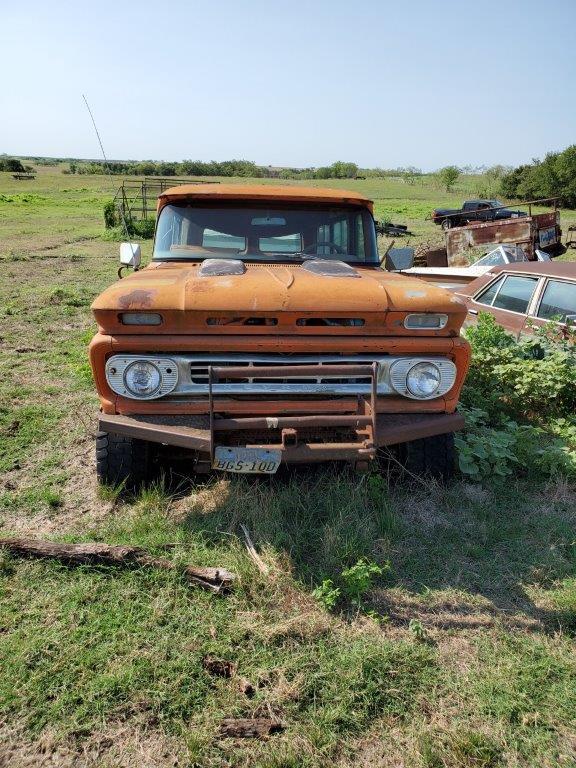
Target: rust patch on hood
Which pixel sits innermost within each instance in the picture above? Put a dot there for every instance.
(137, 299)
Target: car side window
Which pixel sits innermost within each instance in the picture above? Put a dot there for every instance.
(487, 296)
(558, 300)
(515, 293)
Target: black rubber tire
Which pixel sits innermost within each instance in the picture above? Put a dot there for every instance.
(122, 460)
(446, 224)
(429, 457)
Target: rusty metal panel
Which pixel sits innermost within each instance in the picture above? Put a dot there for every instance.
(461, 239)
(147, 429)
(545, 219)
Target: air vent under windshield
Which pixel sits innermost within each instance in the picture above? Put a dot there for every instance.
(327, 268)
(341, 322)
(221, 267)
(242, 321)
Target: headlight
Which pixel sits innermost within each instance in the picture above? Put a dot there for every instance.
(142, 378)
(423, 379)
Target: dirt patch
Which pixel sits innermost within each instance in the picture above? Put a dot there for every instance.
(117, 746)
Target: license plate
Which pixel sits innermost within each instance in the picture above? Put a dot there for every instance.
(246, 460)
(547, 236)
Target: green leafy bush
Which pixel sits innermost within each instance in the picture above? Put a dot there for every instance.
(143, 229)
(118, 229)
(327, 594)
(355, 581)
(503, 446)
(484, 451)
(510, 383)
(358, 579)
(111, 215)
(532, 377)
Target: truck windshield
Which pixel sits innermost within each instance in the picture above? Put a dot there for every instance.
(297, 233)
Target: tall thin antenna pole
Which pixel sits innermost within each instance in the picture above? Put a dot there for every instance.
(96, 130)
(107, 166)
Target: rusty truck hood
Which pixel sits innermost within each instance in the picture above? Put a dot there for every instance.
(272, 288)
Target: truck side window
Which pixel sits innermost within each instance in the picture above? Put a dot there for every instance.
(558, 300)
(360, 244)
(335, 233)
(515, 294)
(340, 236)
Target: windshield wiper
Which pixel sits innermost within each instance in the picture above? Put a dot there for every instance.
(311, 256)
(299, 255)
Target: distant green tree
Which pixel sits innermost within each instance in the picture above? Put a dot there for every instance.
(323, 173)
(448, 176)
(410, 174)
(511, 181)
(11, 164)
(342, 170)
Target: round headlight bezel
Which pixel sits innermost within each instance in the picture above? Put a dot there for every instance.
(419, 393)
(148, 394)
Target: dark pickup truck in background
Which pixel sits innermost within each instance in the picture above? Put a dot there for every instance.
(473, 210)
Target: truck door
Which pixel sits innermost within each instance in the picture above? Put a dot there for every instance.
(485, 212)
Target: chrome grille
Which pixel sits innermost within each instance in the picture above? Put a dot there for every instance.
(199, 373)
(192, 374)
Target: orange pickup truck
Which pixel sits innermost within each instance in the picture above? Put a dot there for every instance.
(265, 331)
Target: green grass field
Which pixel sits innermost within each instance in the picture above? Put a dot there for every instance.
(460, 655)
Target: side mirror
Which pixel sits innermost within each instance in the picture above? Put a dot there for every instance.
(399, 258)
(130, 255)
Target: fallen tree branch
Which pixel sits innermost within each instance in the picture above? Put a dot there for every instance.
(215, 580)
(257, 560)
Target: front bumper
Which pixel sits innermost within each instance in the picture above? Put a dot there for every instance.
(287, 433)
(353, 436)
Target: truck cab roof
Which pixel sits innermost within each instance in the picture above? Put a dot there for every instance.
(263, 192)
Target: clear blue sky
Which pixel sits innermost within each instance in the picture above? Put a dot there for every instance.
(298, 82)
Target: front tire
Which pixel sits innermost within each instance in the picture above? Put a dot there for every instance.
(432, 457)
(446, 225)
(122, 460)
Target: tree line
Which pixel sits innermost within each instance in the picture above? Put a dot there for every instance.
(226, 168)
(555, 176)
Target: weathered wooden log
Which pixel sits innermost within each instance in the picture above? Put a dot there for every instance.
(216, 580)
(249, 727)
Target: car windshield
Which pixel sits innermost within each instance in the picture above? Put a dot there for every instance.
(504, 254)
(343, 233)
